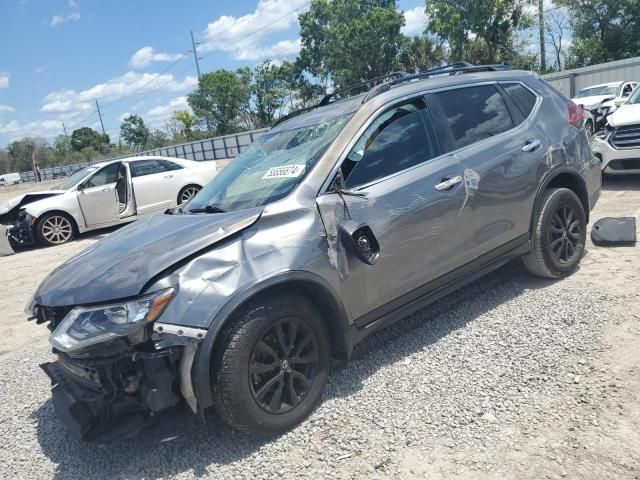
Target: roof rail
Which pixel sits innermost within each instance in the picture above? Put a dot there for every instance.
(397, 78)
(453, 69)
(390, 76)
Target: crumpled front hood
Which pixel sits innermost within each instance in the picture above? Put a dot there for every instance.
(5, 207)
(627, 114)
(591, 102)
(121, 264)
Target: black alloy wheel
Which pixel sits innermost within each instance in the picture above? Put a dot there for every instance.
(283, 366)
(565, 233)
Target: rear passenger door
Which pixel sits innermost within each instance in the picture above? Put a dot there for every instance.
(491, 130)
(154, 186)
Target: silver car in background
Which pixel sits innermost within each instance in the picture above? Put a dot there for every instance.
(342, 219)
(102, 195)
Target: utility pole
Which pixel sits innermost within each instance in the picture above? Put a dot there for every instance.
(543, 57)
(195, 54)
(65, 130)
(100, 115)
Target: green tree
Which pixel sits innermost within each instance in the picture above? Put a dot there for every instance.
(88, 137)
(421, 53)
(24, 152)
(157, 139)
(222, 101)
(478, 31)
(271, 91)
(603, 30)
(134, 132)
(186, 124)
(62, 147)
(351, 41)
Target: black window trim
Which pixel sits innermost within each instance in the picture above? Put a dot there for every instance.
(425, 94)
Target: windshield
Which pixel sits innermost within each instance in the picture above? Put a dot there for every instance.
(75, 178)
(269, 170)
(597, 91)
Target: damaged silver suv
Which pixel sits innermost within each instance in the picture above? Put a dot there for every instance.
(342, 219)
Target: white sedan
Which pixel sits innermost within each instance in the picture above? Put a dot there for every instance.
(99, 196)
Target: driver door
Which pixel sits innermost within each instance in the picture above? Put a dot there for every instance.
(98, 198)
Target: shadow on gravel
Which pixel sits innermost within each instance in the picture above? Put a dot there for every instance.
(204, 447)
(618, 183)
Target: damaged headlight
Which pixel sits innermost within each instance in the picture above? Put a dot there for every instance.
(85, 326)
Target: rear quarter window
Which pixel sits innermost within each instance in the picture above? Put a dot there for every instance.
(524, 99)
(474, 113)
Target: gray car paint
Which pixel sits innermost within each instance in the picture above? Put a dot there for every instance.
(422, 234)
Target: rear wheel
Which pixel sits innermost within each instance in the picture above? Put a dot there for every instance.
(54, 229)
(559, 235)
(187, 193)
(271, 365)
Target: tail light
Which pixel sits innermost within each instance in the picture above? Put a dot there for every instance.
(575, 114)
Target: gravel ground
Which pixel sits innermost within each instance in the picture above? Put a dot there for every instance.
(510, 377)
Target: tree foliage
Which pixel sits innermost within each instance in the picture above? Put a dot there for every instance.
(134, 132)
(351, 41)
(478, 31)
(87, 137)
(421, 53)
(603, 30)
(222, 100)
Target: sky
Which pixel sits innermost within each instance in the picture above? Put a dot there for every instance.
(57, 57)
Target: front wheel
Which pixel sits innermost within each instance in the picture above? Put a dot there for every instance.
(559, 235)
(271, 365)
(54, 229)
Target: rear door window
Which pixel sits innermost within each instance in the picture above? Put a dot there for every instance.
(524, 99)
(400, 138)
(474, 113)
(140, 168)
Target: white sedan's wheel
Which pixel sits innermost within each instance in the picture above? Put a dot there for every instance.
(54, 229)
(187, 193)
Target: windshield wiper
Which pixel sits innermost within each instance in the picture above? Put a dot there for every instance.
(207, 209)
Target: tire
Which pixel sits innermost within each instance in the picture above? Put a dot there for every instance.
(187, 193)
(249, 365)
(55, 228)
(559, 230)
(589, 128)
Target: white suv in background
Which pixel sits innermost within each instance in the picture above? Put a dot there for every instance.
(619, 145)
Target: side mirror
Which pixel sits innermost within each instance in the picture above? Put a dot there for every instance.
(619, 101)
(360, 240)
(81, 187)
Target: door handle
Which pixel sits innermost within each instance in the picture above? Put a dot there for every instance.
(168, 176)
(448, 183)
(532, 146)
(106, 189)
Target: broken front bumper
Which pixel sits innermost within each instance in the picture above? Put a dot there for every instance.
(18, 233)
(108, 399)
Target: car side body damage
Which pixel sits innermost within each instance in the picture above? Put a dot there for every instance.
(165, 292)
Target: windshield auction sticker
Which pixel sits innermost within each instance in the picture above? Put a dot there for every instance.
(287, 171)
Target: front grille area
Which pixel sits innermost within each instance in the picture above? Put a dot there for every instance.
(626, 137)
